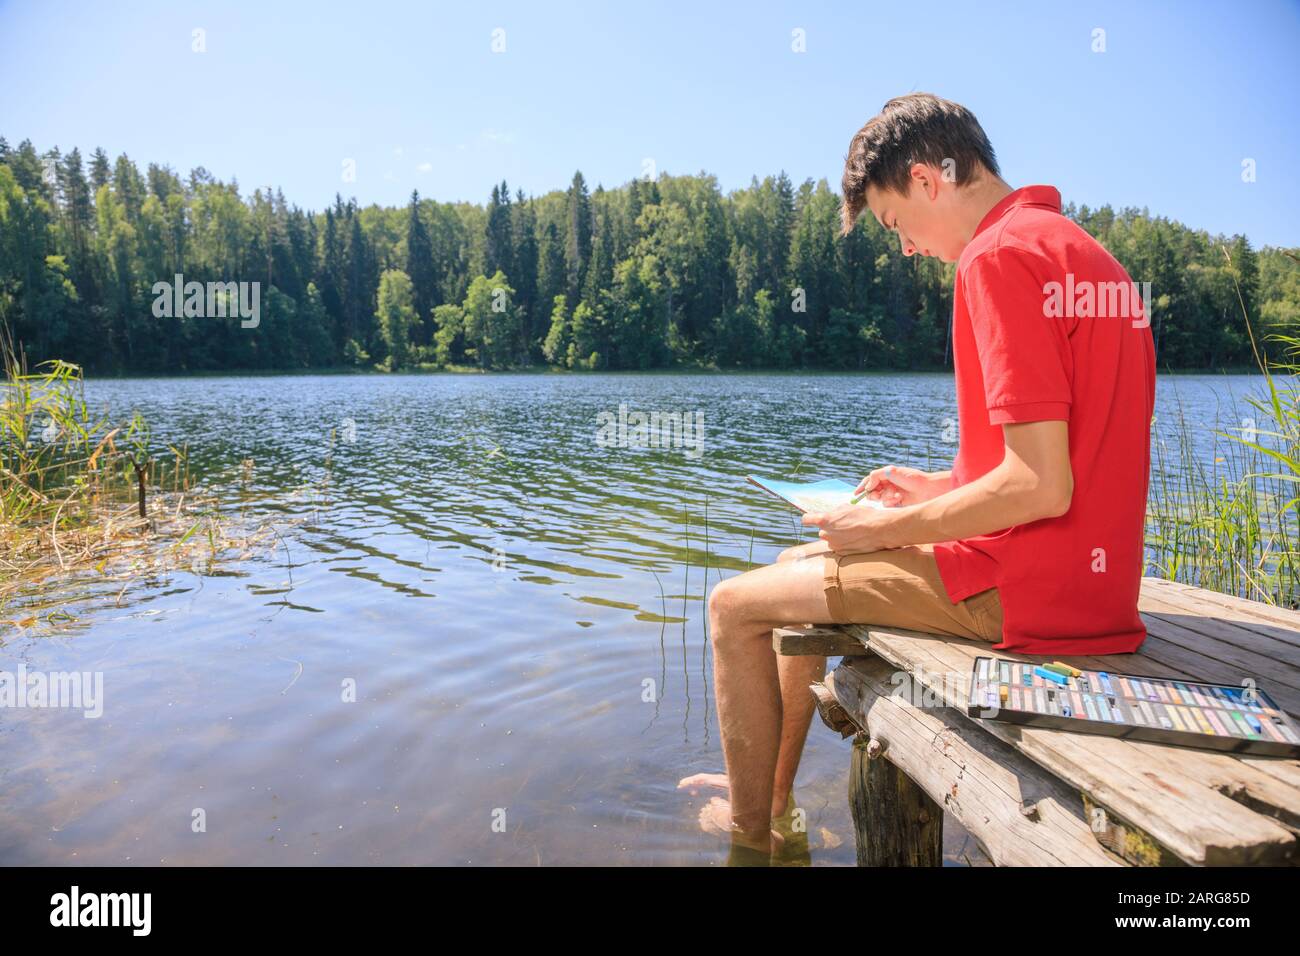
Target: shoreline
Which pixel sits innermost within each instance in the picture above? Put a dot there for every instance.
(550, 370)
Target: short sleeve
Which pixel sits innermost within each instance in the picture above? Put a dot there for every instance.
(1024, 355)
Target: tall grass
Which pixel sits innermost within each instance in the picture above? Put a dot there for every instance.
(1236, 528)
(82, 496)
(54, 451)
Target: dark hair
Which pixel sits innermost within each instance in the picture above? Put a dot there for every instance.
(917, 128)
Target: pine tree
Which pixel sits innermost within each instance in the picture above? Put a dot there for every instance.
(330, 279)
(577, 242)
(79, 220)
(100, 171)
(420, 268)
(499, 248)
(551, 277)
(524, 278)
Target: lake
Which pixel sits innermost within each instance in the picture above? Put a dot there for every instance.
(481, 608)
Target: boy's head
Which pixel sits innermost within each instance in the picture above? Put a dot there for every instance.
(912, 166)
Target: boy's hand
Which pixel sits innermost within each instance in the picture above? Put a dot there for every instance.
(852, 528)
(899, 485)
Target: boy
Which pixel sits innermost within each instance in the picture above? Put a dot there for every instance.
(1034, 538)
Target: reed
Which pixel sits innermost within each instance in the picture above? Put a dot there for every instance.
(1232, 524)
(84, 500)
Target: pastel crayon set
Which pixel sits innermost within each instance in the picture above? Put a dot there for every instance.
(1240, 719)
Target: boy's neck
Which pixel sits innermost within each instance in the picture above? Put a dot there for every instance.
(979, 198)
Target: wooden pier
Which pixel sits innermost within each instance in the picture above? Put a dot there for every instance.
(1035, 796)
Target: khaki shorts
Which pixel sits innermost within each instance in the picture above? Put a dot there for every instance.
(901, 587)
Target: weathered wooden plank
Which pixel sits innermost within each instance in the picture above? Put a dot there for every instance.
(1165, 791)
(1021, 814)
(814, 640)
(1286, 622)
(1234, 632)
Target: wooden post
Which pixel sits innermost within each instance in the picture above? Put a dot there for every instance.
(141, 473)
(896, 823)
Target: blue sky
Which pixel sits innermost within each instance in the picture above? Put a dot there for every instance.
(414, 93)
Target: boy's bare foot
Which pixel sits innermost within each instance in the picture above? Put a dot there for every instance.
(715, 817)
(696, 780)
(718, 781)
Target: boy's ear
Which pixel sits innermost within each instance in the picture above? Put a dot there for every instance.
(925, 178)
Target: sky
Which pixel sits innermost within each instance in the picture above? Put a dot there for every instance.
(1160, 110)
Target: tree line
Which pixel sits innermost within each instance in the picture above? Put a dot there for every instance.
(659, 273)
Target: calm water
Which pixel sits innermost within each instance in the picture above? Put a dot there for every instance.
(501, 588)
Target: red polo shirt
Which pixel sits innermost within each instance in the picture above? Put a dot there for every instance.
(1043, 331)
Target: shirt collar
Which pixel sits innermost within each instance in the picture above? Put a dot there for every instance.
(1046, 196)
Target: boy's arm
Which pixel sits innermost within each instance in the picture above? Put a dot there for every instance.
(1033, 481)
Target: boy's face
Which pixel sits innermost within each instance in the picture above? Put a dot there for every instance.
(924, 219)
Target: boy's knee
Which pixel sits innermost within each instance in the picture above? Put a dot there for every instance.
(798, 551)
(789, 554)
(726, 599)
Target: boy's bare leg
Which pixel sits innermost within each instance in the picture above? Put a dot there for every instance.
(797, 707)
(797, 703)
(794, 674)
(742, 611)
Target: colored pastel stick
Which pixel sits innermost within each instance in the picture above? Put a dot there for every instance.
(1273, 732)
(1059, 669)
(1150, 715)
(1203, 721)
(1049, 675)
(1284, 729)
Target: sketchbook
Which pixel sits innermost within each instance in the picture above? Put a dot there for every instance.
(813, 495)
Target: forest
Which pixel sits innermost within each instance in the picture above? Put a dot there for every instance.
(663, 273)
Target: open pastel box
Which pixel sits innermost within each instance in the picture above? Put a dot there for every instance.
(1241, 719)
